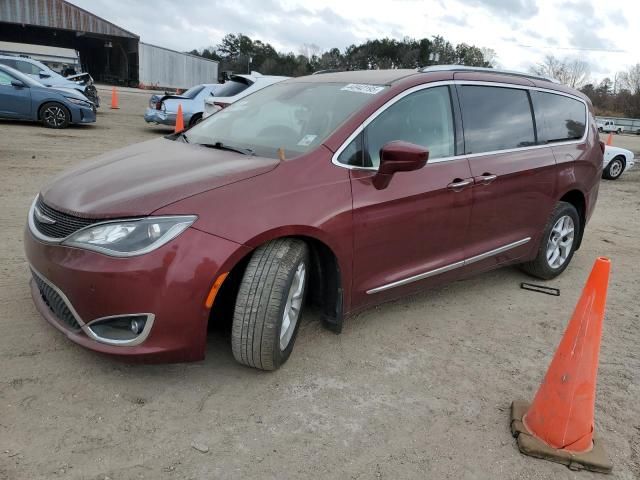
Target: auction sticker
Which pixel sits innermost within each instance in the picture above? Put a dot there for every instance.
(307, 140)
(363, 88)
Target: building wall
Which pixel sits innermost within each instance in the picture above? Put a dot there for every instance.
(166, 68)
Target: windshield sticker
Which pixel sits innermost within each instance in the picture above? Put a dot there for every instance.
(363, 88)
(307, 140)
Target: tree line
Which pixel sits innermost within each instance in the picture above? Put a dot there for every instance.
(239, 53)
(619, 97)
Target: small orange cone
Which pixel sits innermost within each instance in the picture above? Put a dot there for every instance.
(179, 120)
(559, 424)
(114, 99)
(610, 139)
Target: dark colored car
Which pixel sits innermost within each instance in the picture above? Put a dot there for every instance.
(23, 98)
(344, 189)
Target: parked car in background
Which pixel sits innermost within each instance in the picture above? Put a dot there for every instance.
(23, 98)
(164, 108)
(616, 161)
(355, 188)
(609, 126)
(44, 75)
(237, 87)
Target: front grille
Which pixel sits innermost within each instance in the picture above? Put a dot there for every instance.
(64, 224)
(56, 303)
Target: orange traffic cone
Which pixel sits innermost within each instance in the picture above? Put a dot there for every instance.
(114, 99)
(610, 139)
(179, 120)
(559, 424)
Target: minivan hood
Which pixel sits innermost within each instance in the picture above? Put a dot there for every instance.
(141, 178)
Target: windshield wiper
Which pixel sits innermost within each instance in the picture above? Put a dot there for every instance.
(229, 148)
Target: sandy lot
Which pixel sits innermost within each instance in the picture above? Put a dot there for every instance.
(419, 388)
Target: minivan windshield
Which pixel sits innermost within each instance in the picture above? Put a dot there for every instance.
(293, 116)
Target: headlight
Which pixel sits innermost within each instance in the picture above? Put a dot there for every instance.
(78, 101)
(127, 238)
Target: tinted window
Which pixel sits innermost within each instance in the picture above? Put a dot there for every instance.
(192, 92)
(423, 118)
(28, 68)
(352, 155)
(231, 88)
(496, 118)
(559, 118)
(7, 62)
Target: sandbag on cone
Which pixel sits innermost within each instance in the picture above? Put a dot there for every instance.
(561, 416)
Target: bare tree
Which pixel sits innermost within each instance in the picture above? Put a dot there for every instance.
(572, 72)
(631, 79)
(309, 50)
(490, 56)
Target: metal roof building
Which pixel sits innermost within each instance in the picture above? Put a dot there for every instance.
(108, 52)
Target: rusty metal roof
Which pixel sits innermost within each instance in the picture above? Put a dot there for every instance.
(58, 14)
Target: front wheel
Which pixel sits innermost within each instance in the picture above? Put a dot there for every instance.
(55, 115)
(558, 243)
(614, 169)
(269, 304)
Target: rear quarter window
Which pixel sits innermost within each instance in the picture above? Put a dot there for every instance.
(496, 118)
(559, 118)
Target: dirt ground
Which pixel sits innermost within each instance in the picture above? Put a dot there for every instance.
(418, 388)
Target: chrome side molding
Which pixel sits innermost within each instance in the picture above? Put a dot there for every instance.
(447, 268)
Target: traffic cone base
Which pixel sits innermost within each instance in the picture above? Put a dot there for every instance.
(595, 460)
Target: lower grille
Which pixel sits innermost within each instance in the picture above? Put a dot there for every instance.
(56, 303)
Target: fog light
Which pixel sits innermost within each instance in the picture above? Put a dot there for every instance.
(136, 326)
(121, 329)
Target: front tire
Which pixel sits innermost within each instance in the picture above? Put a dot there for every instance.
(55, 115)
(615, 168)
(558, 243)
(269, 304)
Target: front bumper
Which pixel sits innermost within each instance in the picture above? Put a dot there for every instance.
(81, 114)
(160, 117)
(170, 283)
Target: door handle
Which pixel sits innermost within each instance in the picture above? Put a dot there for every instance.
(486, 178)
(459, 184)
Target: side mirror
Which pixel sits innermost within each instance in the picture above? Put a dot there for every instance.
(17, 83)
(398, 156)
(44, 74)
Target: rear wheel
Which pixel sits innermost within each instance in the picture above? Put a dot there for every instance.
(55, 115)
(615, 168)
(558, 243)
(269, 304)
(195, 119)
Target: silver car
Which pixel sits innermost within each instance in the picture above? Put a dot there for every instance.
(163, 108)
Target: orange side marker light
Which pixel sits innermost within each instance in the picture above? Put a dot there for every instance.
(214, 290)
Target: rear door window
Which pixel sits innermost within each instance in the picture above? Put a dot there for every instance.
(559, 118)
(423, 118)
(28, 68)
(496, 118)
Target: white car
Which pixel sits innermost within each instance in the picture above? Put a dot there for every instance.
(237, 87)
(616, 161)
(609, 126)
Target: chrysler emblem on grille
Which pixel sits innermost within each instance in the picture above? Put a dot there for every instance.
(42, 218)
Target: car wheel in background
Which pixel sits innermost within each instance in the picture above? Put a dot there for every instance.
(54, 115)
(615, 168)
(269, 304)
(195, 119)
(558, 243)
(618, 132)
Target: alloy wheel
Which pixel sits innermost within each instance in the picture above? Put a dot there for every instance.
(560, 241)
(615, 168)
(54, 116)
(292, 307)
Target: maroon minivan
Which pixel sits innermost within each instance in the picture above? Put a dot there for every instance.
(344, 189)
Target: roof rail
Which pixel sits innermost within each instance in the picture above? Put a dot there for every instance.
(466, 68)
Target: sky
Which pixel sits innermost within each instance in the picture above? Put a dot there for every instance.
(521, 32)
